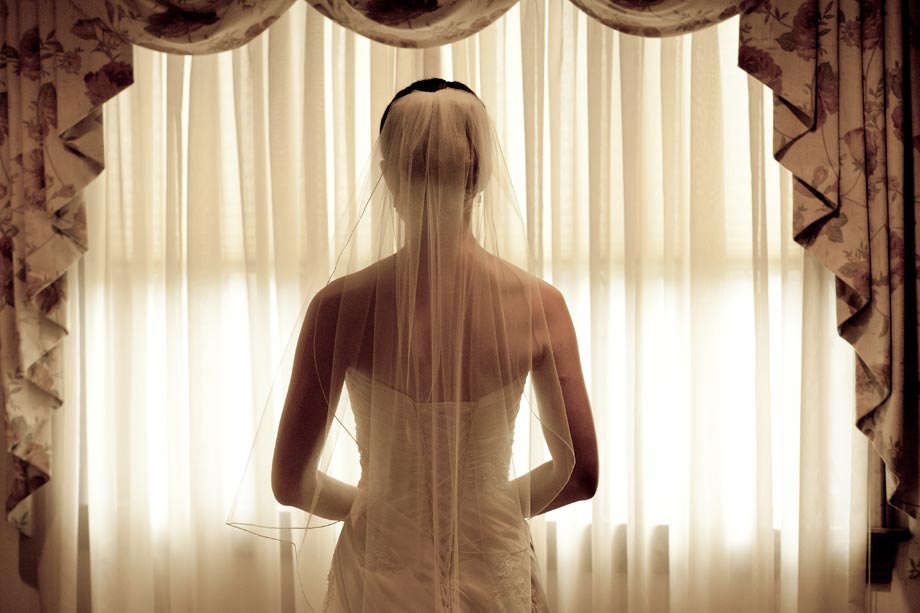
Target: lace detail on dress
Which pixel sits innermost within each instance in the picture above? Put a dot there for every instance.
(493, 472)
(330, 589)
(511, 585)
(382, 557)
(537, 597)
(515, 587)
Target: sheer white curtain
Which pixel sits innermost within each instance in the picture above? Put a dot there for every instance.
(732, 478)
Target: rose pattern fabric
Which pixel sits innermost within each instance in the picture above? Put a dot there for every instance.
(656, 18)
(57, 71)
(837, 69)
(191, 27)
(207, 26)
(413, 23)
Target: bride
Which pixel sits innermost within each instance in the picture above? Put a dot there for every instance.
(435, 339)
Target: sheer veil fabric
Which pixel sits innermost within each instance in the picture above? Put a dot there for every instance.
(428, 356)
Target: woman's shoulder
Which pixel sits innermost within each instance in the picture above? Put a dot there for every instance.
(359, 281)
(539, 288)
(342, 304)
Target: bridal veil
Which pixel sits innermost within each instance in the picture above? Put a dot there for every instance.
(427, 362)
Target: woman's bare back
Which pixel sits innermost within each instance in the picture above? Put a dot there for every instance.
(492, 328)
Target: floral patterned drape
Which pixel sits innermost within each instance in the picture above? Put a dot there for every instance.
(56, 72)
(654, 18)
(428, 23)
(846, 79)
(190, 27)
(413, 23)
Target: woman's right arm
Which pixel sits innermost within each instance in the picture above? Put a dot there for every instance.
(558, 379)
(307, 415)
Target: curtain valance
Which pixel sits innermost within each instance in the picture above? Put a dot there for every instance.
(662, 17)
(208, 26)
(843, 73)
(189, 27)
(426, 23)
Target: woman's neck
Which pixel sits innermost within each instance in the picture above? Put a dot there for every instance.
(437, 266)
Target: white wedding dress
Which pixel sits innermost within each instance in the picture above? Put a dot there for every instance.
(432, 298)
(447, 531)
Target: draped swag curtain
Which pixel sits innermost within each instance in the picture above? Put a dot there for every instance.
(56, 70)
(846, 79)
(843, 73)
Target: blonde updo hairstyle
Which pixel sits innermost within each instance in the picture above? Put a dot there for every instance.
(436, 129)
